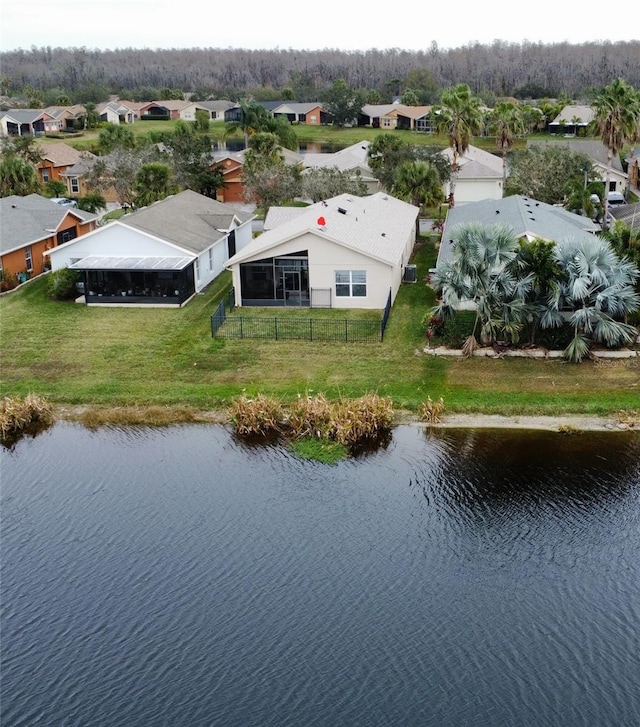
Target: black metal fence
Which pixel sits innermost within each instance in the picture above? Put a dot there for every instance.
(294, 328)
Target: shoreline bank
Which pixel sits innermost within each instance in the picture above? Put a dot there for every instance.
(166, 416)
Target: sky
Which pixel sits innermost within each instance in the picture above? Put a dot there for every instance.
(270, 24)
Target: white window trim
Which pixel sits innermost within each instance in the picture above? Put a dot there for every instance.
(351, 283)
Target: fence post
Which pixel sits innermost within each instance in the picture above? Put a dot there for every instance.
(311, 329)
(346, 331)
(275, 320)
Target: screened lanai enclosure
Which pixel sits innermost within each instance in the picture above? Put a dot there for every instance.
(277, 281)
(152, 281)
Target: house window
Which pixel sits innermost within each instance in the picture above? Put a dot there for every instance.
(75, 185)
(210, 258)
(386, 122)
(351, 283)
(28, 259)
(45, 175)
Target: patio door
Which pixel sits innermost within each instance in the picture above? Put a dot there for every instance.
(291, 285)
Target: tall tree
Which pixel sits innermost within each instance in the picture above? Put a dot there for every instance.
(617, 119)
(460, 117)
(17, 176)
(419, 184)
(153, 182)
(318, 183)
(484, 270)
(113, 136)
(506, 122)
(599, 288)
(268, 180)
(342, 103)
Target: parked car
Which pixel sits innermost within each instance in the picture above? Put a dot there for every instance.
(64, 201)
(616, 198)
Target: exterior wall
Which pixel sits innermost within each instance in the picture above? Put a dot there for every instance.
(618, 181)
(211, 264)
(325, 258)
(313, 118)
(16, 260)
(114, 240)
(469, 190)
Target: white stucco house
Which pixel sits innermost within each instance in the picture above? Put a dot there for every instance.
(345, 252)
(162, 254)
(479, 176)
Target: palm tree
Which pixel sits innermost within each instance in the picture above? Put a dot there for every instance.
(17, 176)
(459, 116)
(92, 202)
(617, 120)
(484, 270)
(153, 182)
(507, 122)
(599, 288)
(419, 184)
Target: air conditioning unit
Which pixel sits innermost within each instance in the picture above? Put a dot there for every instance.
(410, 274)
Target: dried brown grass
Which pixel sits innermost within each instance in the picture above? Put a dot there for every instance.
(346, 421)
(259, 415)
(20, 415)
(431, 411)
(126, 416)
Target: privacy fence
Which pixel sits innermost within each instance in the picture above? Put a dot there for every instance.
(293, 327)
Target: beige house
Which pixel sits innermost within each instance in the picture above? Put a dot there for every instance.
(345, 252)
(479, 175)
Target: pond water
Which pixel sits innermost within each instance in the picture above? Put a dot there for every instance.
(181, 577)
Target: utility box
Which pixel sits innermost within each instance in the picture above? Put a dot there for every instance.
(410, 274)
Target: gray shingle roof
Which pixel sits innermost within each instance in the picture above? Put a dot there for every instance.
(527, 218)
(594, 149)
(627, 213)
(26, 220)
(189, 220)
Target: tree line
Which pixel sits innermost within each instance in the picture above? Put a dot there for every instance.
(521, 70)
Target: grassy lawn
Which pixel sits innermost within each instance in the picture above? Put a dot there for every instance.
(73, 354)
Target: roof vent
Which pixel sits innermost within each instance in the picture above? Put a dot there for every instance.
(342, 210)
(497, 212)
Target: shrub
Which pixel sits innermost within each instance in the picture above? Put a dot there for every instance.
(430, 410)
(22, 415)
(261, 415)
(455, 331)
(8, 281)
(61, 285)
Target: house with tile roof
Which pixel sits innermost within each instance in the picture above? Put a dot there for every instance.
(160, 255)
(528, 218)
(344, 252)
(33, 225)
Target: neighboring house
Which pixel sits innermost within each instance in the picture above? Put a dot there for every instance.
(67, 118)
(75, 178)
(21, 122)
(353, 158)
(216, 109)
(170, 108)
(479, 175)
(345, 252)
(116, 112)
(32, 225)
(597, 153)
(629, 214)
(527, 217)
(379, 116)
(160, 255)
(57, 157)
(572, 121)
(414, 118)
(302, 113)
(232, 165)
